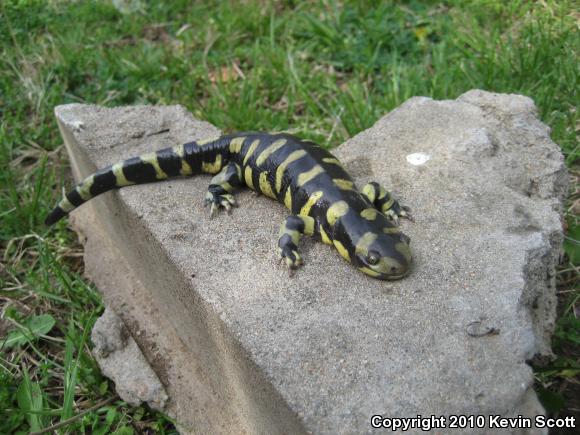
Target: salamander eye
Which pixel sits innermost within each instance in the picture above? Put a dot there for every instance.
(373, 258)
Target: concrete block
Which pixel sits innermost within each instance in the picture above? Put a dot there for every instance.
(241, 347)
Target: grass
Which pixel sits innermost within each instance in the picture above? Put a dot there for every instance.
(325, 70)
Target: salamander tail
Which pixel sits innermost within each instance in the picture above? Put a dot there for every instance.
(154, 166)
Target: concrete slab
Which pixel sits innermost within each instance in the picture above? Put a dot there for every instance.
(240, 347)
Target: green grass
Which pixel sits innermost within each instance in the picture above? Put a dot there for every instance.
(325, 70)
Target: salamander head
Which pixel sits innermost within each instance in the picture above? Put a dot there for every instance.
(375, 246)
(383, 256)
(369, 240)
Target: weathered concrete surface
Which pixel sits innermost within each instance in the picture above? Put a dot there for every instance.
(122, 361)
(240, 347)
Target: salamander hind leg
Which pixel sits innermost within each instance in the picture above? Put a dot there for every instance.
(220, 191)
(291, 231)
(384, 201)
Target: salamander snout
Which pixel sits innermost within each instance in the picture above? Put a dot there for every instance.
(387, 256)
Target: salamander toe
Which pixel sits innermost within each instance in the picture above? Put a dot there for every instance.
(292, 258)
(219, 201)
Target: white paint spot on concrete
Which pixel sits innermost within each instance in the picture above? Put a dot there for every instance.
(417, 159)
(77, 125)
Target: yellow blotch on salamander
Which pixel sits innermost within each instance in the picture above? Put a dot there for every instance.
(369, 214)
(391, 230)
(369, 272)
(151, 158)
(294, 234)
(323, 236)
(251, 150)
(343, 184)
(185, 167)
(212, 167)
(248, 177)
(336, 211)
(403, 248)
(387, 205)
(308, 225)
(236, 144)
(313, 199)
(365, 242)
(370, 192)
(288, 199)
(272, 148)
(332, 161)
(84, 189)
(120, 179)
(66, 205)
(265, 186)
(298, 154)
(305, 177)
(341, 250)
(207, 140)
(382, 193)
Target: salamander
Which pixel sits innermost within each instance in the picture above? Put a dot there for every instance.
(322, 197)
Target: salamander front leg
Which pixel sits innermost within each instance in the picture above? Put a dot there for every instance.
(291, 231)
(384, 201)
(219, 193)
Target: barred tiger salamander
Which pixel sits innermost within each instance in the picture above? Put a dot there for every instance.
(307, 179)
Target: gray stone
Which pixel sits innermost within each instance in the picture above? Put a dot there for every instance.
(239, 346)
(121, 360)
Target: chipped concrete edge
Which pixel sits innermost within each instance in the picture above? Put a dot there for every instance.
(540, 266)
(121, 360)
